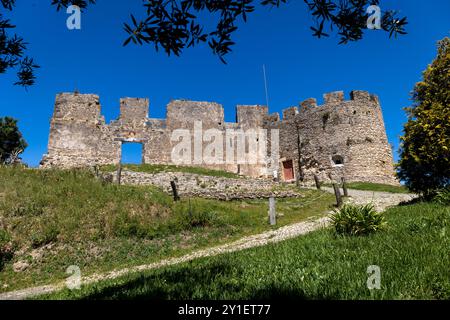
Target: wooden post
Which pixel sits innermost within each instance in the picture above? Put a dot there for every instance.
(337, 193)
(344, 187)
(190, 209)
(119, 173)
(272, 212)
(176, 197)
(316, 179)
(96, 171)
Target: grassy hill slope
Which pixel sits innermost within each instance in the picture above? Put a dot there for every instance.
(412, 254)
(50, 220)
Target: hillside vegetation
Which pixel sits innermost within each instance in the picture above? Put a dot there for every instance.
(51, 219)
(412, 254)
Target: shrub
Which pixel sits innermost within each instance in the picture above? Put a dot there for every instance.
(48, 233)
(356, 220)
(127, 226)
(12, 143)
(6, 248)
(443, 197)
(199, 219)
(27, 209)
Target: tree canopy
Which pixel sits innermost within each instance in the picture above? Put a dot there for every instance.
(11, 142)
(175, 25)
(425, 150)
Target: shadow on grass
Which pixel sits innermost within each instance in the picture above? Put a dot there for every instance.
(412, 201)
(216, 280)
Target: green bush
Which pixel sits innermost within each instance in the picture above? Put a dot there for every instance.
(6, 248)
(46, 234)
(443, 197)
(356, 220)
(200, 219)
(127, 226)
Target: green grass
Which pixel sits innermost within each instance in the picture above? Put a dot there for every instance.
(76, 220)
(157, 168)
(412, 253)
(376, 187)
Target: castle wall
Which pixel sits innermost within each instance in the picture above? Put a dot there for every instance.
(78, 134)
(341, 138)
(338, 139)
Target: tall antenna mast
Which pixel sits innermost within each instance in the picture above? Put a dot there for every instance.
(265, 85)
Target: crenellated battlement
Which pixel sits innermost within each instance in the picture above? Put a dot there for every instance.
(335, 137)
(77, 107)
(338, 97)
(308, 103)
(134, 109)
(86, 107)
(333, 97)
(290, 113)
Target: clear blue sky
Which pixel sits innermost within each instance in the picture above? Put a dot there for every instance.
(299, 66)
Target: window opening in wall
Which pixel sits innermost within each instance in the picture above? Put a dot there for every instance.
(132, 153)
(338, 160)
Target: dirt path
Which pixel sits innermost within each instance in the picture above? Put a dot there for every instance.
(381, 200)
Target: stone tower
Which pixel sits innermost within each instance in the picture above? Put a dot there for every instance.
(341, 138)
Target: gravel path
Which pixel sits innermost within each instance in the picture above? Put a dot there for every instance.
(381, 200)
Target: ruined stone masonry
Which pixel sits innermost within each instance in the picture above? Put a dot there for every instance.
(341, 138)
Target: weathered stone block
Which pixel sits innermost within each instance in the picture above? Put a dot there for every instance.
(290, 113)
(309, 103)
(359, 95)
(333, 97)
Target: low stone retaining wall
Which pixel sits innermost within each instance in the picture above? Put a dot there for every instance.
(194, 185)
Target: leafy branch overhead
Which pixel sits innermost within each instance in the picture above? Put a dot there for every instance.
(13, 47)
(174, 25)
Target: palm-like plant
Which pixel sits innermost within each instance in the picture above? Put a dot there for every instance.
(356, 220)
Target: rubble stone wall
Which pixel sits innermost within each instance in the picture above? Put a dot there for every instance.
(194, 185)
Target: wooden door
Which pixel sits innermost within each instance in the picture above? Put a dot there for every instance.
(288, 168)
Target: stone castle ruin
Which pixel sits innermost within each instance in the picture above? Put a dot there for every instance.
(341, 138)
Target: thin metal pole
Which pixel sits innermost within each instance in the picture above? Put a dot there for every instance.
(265, 85)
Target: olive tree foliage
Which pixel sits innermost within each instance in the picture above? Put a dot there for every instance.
(13, 46)
(175, 25)
(425, 146)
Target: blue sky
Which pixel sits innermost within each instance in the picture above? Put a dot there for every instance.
(298, 65)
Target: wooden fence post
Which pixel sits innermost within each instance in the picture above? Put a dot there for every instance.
(176, 197)
(337, 193)
(316, 180)
(344, 187)
(119, 174)
(190, 209)
(272, 212)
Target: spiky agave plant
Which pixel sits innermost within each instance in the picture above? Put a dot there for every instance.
(356, 220)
